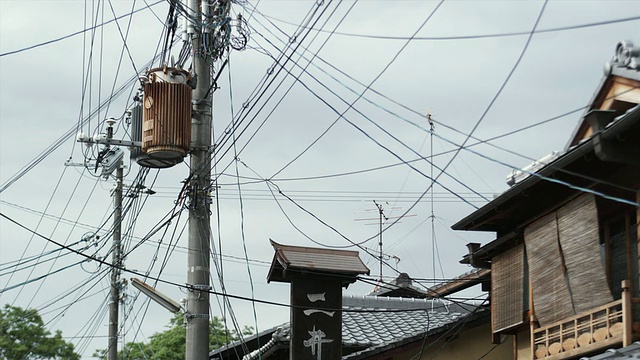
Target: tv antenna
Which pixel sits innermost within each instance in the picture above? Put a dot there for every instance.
(382, 217)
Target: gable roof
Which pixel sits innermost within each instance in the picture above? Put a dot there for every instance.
(288, 258)
(620, 83)
(374, 323)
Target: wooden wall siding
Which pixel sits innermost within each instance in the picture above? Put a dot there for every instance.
(580, 244)
(551, 298)
(507, 285)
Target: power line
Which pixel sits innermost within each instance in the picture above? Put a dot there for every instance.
(188, 287)
(472, 36)
(41, 277)
(450, 127)
(69, 133)
(341, 115)
(351, 123)
(495, 97)
(146, 240)
(77, 32)
(303, 69)
(479, 141)
(262, 88)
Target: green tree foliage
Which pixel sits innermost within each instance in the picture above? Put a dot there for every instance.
(170, 344)
(23, 336)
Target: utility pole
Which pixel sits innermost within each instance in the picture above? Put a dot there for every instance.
(197, 317)
(110, 160)
(115, 271)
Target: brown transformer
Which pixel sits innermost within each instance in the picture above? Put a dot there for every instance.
(166, 125)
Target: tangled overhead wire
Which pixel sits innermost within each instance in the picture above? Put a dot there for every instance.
(239, 42)
(220, 31)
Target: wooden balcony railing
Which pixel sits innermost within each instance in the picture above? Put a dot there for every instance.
(604, 327)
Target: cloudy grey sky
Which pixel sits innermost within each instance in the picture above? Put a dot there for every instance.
(446, 69)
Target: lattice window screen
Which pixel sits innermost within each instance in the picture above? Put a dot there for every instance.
(618, 253)
(551, 298)
(580, 242)
(507, 284)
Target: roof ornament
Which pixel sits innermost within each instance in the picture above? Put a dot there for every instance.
(626, 56)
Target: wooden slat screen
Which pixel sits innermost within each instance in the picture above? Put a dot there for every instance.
(580, 243)
(507, 284)
(551, 298)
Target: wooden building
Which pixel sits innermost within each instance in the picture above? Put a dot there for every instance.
(564, 265)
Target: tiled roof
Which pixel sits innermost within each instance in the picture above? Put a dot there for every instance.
(375, 322)
(299, 258)
(626, 353)
(280, 333)
(385, 324)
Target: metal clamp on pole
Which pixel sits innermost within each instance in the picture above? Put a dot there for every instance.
(196, 316)
(199, 287)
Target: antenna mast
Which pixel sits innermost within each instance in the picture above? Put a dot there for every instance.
(382, 218)
(433, 217)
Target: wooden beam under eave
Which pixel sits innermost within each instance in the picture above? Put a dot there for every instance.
(461, 283)
(621, 89)
(616, 89)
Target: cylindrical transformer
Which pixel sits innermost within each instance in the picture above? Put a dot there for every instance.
(166, 107)
(136, 152)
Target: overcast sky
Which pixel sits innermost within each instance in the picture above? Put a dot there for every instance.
(445, 69)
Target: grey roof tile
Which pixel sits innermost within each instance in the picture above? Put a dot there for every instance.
(626, 353)
(378, 321)
(379, 327)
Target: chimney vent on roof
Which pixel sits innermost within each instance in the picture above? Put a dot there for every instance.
(473, 247)
(403, 280)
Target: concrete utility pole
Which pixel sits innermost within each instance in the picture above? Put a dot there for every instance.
(197, 344)
(115, 271)
(110, 159)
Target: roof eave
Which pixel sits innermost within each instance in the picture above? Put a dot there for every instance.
(473, 220)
